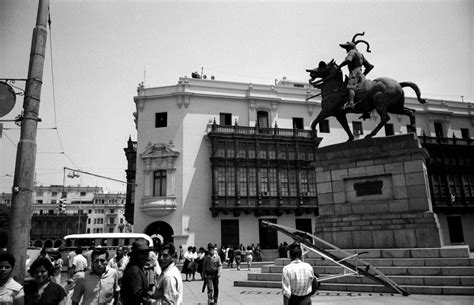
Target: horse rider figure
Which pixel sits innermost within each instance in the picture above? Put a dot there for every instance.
(355, 61)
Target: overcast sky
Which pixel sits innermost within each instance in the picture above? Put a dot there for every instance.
(101, 50)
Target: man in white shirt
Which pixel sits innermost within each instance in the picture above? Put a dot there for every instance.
(298, 280)
(99, 285)
(169, 284)
(79, 264)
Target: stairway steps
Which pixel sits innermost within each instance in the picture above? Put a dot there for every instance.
(371, 288)
(401, 280)
(405, 262)
(389, 270)
(447, 270)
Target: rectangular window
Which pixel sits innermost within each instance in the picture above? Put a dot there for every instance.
(225, 119)
(282, 151)
(298, 123)
(262, 119)
(262, 151)
(242, 150)
(230, 181)
(357, 128)
(389, 130)
(220, 181)
(230, 150)
(271, 151)
(88, 220)
(230, 232)
(63, 194)
(324, 126)
(456, 234)
(54, 194)
(243, 182)
(220, 149)
(439, 132)
(161, 119)
(250, 150)
(465, 133)
(82, 194)
(159, 183)
(53, 201)
(293, 182)
(111, 230)
(263, 179)
(283, 182)
(39, 201)
(252, 181)
(272, 182)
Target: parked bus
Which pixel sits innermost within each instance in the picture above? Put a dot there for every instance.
(109, 241)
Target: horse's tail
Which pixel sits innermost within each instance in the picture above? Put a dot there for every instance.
(415, 88)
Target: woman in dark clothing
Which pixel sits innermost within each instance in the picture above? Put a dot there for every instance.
(42, 291)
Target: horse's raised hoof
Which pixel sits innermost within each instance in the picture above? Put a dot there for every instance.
(368, 136)
(350, 139)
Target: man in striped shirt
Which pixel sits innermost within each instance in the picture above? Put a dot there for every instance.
(298, 280)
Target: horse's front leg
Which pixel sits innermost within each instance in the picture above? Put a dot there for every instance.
(321, 116)
(342, 119)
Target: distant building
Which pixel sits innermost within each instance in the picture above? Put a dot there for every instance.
(215, 158)
(61, 210)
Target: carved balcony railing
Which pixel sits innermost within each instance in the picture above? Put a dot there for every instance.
(246, 130)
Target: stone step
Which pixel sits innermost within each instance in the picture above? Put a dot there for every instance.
(443, 252)
(396, 262)
(390, 270)
(412, 289)
(400, 280)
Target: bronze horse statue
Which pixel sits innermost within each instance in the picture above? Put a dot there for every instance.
(384, 94)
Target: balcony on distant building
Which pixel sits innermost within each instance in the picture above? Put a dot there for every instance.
(450, 169)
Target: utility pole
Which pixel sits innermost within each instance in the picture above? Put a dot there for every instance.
(23, 187)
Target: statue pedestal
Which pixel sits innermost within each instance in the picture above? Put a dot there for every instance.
(374, 193)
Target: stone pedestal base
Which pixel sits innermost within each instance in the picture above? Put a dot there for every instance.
(374, 193)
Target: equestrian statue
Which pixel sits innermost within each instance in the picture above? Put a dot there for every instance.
(358, 94)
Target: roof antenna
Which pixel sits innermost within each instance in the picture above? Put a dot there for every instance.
(144, 75)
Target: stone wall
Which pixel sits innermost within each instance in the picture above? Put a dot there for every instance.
(374, 193)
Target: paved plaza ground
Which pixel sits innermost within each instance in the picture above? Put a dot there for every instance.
(231, 295)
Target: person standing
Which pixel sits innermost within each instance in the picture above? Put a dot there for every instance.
(298, 280)
(212, 268)
(187, 265)
(42, 290)
(230, 256)
(237, 257)
(11, 292)
(135, 285)
(100, 284)
(249, 257)
(169, 284)
(58, 267)
(119, 262)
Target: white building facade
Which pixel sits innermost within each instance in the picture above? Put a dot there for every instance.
(182, 189)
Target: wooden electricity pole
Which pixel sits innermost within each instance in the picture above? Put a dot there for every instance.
(23, 187)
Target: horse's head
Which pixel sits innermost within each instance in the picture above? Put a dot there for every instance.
(323, 72)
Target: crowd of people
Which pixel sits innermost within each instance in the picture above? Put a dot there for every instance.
(230, 255)
(142, 276)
